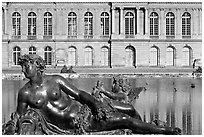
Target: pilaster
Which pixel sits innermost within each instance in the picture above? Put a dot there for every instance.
(200, 21)
(3, 20)
(40, 23)
(193, 22)
(5, 13)
(178, 24)
(63, 25)
(64, 14)
(113, 20)
(146, 22)
(162, 24)
(138, 21)
(97, 24)
(54, 21)
(80, 24)
(24, 24)
(121, 21)
(58, 23)
(8, 19)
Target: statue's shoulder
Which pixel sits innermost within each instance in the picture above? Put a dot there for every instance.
(25, 88)
(24, 92)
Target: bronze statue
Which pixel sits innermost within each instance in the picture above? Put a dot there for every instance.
(60, 104)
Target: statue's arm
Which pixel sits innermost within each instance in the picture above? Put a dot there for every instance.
(79, 95)
(112, 95)
(22, 102)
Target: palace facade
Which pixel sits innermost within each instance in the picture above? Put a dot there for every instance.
(103, 34)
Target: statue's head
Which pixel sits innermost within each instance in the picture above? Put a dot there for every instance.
(33, 59)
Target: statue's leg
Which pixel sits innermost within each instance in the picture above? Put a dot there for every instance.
(126, 108)
(123, 121)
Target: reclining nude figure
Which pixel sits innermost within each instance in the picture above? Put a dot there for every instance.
(59, 101)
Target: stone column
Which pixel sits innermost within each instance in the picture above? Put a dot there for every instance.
(162, 24)
(146, 22)
(138, 21)
(121, 20)
(113, 20)
(178, 24)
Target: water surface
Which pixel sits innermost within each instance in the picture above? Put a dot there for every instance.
(168, 99)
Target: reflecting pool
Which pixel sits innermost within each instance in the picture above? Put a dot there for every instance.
(173, 100)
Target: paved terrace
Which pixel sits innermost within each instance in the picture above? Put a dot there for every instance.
(138, 70)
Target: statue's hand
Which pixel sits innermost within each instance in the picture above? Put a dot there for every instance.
(177, 131)
(100, 87)
(173, 131)
(9, 128)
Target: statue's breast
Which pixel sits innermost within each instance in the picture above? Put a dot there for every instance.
(53, 92)
(37, 100)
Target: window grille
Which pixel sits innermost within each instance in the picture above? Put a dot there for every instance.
(88, 25)
(154, 24)
(105, 24)
(48, 55)
(170, 24)
(186, 24)
(32, 25)
(47, 25)
(72, 56)
(32, 50)
(72, 25)
(129, 25)
(16, 25)
(16, 55)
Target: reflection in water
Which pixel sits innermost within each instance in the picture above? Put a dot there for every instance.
(168, 99)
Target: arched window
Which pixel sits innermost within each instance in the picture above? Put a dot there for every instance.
(48, 55)
(170, 56)
(186, 24)
(47, 25)
(32, 25)
(104, 56)
(32, 50)
(88, 25)
(105, 24)
(170, 24)
(154, 56)
(16, 54)
(72, 25)
(186, 56)
(16, 25)
(129, 24)
(72, 56)
(154, 24)
(130, 56)
(88, 56)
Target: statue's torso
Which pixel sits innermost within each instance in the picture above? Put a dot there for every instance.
(55, 105)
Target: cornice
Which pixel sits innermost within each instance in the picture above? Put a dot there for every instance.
(105, 40)
(101, 2)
